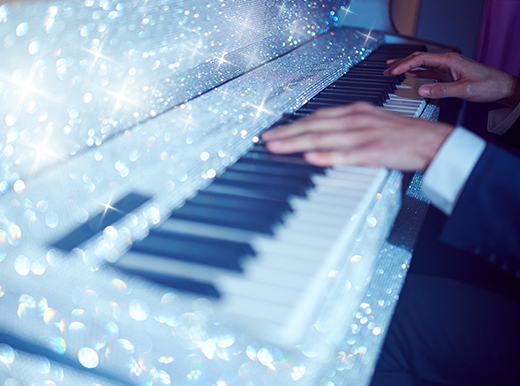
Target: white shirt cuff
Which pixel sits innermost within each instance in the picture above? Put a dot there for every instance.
(450, 169)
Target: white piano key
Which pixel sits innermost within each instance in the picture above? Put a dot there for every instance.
(271, 270)
(345, 184)
(278, 294)
(355, 170)
(294, 264)
(257, 310)
(289, 249)
(349, 176)
(290, 229)
(330, 198)
(321, 219)
(323, 206)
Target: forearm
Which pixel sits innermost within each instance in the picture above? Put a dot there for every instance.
(512, 92)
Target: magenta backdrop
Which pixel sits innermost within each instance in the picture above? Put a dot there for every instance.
(499, 38)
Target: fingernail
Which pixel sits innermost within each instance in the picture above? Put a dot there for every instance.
(424, 91)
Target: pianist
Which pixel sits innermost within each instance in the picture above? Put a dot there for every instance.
(458, 318)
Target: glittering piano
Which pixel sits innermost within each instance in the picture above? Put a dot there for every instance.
(146, 236)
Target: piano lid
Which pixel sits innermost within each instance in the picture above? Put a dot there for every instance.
(75, 75)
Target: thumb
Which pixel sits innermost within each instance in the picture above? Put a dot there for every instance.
(442, 90)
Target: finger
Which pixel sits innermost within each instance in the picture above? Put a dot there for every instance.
(367, 156)
(304, 126)
(353, 108)
(330, 119)
(322, 141)
(423, 73)
(392, 63)
(327, 112)
(418, 59)
(444, 90)
(343, 157)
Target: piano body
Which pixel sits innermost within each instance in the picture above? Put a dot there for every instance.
(147, 237)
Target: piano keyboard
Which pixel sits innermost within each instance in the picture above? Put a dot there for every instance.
(264, 235)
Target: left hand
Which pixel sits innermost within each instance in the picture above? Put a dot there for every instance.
(361, 134)
(461, 78)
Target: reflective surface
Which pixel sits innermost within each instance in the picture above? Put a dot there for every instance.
(101, 99)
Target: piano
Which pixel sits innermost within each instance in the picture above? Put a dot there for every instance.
(148, 237)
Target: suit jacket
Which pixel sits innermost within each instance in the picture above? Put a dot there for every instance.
(511, 138)
(486, 218)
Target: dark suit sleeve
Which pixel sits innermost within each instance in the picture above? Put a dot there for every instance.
(511, 137)
(486, 218)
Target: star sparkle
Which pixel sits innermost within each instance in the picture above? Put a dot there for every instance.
(97, 52)
(347, 10)
(221, 59)
(42, 151)
(260, 109)
(107, 207)
(26, 85)
(368, 36)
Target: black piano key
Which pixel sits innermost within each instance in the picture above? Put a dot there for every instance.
(376, 64)
(264, 150)
(340, 90)
(196, 250)
(368, 79)
(366, 70)
(267, 191)
(272, 170)
(323, 103)
(337, 100)
(354, 90)
(289, 166)
(316, 104)
(338, 93)
(242, 203)
(347, 85)
(388, 86)
(176, 282)
(244, 249)
(377, 74)
(108, 216)
(241, 191)
(267, 180)
(275, 158)
(262, 222)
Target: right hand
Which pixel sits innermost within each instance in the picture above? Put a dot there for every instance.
(460, 78)
(361, 134)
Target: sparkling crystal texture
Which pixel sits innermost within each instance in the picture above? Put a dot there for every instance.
(101, 99)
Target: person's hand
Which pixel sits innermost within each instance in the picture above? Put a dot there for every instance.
(361, 134)
(460, 78)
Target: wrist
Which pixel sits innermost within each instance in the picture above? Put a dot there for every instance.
(435, 140)
(512, 98)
